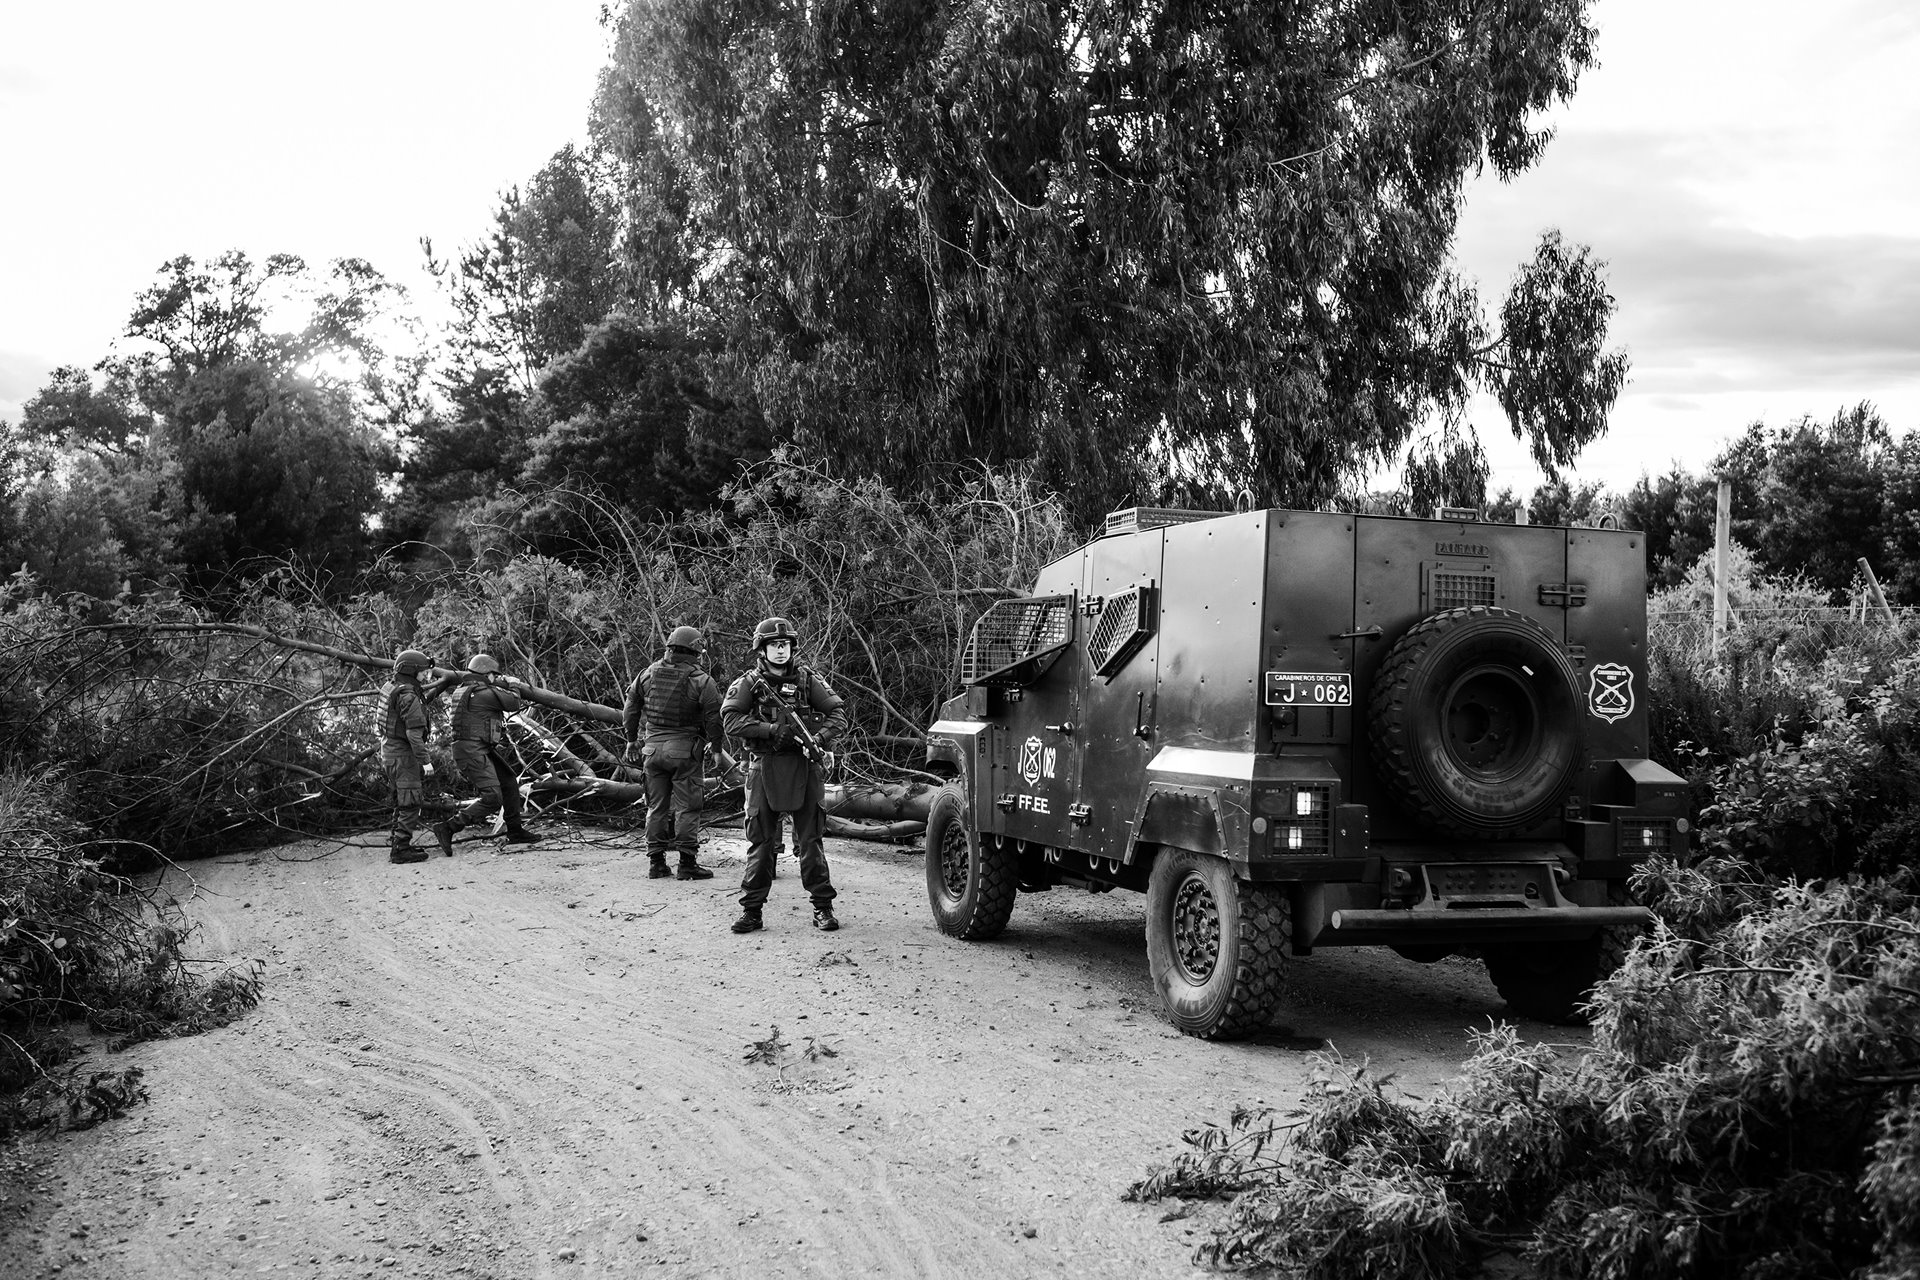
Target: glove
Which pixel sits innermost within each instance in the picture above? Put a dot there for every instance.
(426, 770)
(782, 736)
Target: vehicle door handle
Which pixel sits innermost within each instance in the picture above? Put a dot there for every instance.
(1371, 633)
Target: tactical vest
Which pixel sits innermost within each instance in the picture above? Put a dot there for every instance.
(673, 699)
(397, 699)
(476, 719)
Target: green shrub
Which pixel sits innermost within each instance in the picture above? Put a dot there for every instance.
(1747, 1109)
(79, 944)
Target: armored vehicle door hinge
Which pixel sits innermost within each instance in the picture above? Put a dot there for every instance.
(1577, 654)
(1564, 595)
(1004, 802)
(1092, 606)
(1080, 814)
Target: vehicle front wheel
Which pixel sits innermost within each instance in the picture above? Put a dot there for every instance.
(1216, 945)
(971, 881)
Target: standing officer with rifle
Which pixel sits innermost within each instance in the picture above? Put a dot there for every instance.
(679, 705)
(480, 707)
(768, 708)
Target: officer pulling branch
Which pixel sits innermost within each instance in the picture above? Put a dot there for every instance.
(404, 731)
(481, 704)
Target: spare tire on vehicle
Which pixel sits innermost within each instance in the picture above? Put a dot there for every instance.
(1476, 723)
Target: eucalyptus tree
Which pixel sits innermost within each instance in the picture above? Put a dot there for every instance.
(1149, 246)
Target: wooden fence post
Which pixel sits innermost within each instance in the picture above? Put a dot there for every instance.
(1873, 590)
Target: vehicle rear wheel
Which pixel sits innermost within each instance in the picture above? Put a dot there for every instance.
(1476, 721)
(1552, 981)
(1216, 945)
(971, 882)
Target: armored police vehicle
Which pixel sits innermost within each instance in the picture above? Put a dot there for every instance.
(1296, 730)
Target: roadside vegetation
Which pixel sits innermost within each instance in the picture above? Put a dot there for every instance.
(84, 947)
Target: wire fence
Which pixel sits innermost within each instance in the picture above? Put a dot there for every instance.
(1807, 630)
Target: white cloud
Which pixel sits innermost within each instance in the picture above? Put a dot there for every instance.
(1745, 171)
(132, 132)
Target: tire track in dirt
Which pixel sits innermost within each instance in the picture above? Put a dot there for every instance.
(532, 1064)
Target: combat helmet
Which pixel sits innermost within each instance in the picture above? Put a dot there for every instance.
(410, 662)
(771, 629)
(688, 638)
(483, 664)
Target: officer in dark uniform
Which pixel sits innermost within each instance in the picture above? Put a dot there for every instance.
(759, 710)
(404, 730)
(678, 707)
(480, 709)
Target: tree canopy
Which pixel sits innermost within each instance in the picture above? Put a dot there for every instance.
(1150, 248)
(215, 436)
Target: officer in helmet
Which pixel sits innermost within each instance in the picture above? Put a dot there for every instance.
(787, 774)
(676, 706)
(404, 730)
(481, 706)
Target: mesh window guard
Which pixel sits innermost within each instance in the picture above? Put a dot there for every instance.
(1015, 641)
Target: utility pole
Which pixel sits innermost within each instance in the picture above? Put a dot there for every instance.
(1722, 562)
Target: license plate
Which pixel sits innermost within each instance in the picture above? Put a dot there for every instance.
(1309, 689)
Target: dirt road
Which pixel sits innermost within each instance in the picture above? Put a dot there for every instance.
(533, 1064)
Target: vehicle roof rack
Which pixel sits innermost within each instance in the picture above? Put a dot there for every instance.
(1135, 519)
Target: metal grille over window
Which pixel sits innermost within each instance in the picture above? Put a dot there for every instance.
(1015, 641)
(1636, 836)
(1124, 624)
(1454, 590)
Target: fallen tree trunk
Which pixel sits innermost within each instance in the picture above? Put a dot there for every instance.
(544, 697)
(868, 812)
(855, 829)
(887, 802)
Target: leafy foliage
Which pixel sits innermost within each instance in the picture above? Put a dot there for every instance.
(1747, 1110)
(188, 742)
(79, 942)
(216, 436)
(1132, 245)
(1801, 740)
(184, 745)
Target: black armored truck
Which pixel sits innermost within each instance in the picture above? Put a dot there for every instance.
(1296, 730)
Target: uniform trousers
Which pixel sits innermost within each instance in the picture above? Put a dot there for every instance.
(409, 783)
(493, 781)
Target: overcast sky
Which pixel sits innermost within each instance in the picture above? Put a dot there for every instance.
(1746, 167)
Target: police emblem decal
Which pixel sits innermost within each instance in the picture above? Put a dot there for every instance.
(1030, 760)
(1610, 692)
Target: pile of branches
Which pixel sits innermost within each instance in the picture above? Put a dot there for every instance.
(1749, 1109)
(185, 729)
(81, 944)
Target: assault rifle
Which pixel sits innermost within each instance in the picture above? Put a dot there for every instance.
(810, 746)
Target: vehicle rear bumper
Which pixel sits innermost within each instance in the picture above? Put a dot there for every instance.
(1352, 921)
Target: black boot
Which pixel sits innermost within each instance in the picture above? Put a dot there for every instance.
(520, 835)
(823, 919)
(657, 868)
(443, 832)
(407, 853)
(691, 870)
(749, 920)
